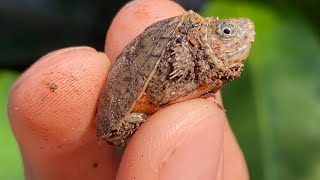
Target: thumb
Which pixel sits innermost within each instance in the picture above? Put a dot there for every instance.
(183, 141)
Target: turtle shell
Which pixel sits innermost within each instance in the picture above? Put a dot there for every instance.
(129, 76)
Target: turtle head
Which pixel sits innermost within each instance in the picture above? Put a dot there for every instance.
(230, 40)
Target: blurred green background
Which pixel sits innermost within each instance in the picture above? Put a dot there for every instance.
(274, 108)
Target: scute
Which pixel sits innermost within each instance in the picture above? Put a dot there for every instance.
(130, 74)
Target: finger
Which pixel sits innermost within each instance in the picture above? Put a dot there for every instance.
(51, 110)
(183, 141)
(133, 18)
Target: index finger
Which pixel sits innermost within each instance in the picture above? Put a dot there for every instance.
(132, 20)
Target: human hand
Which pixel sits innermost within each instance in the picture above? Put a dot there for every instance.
(52, 107)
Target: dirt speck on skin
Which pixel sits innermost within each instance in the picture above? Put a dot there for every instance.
(220, 107)
(95, 165)
(44, 97)
(52, 86)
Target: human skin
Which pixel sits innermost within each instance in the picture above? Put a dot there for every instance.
(52, 107)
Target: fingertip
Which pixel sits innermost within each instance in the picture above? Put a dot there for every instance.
(55, 98)
(133, 18)
(51, 110)
(182, 141)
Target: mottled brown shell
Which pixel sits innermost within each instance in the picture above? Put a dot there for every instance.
(130, 74)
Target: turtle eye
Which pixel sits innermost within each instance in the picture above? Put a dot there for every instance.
(226, 30)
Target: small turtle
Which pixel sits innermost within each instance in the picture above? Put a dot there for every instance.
(173, 60)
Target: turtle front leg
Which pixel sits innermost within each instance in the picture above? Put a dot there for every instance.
(130, 123)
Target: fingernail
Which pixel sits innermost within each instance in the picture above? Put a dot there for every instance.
(197, 156)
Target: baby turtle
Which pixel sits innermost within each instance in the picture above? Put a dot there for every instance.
(173, 60)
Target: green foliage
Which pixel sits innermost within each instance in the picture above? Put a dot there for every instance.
(274, 107)
(11, 164)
